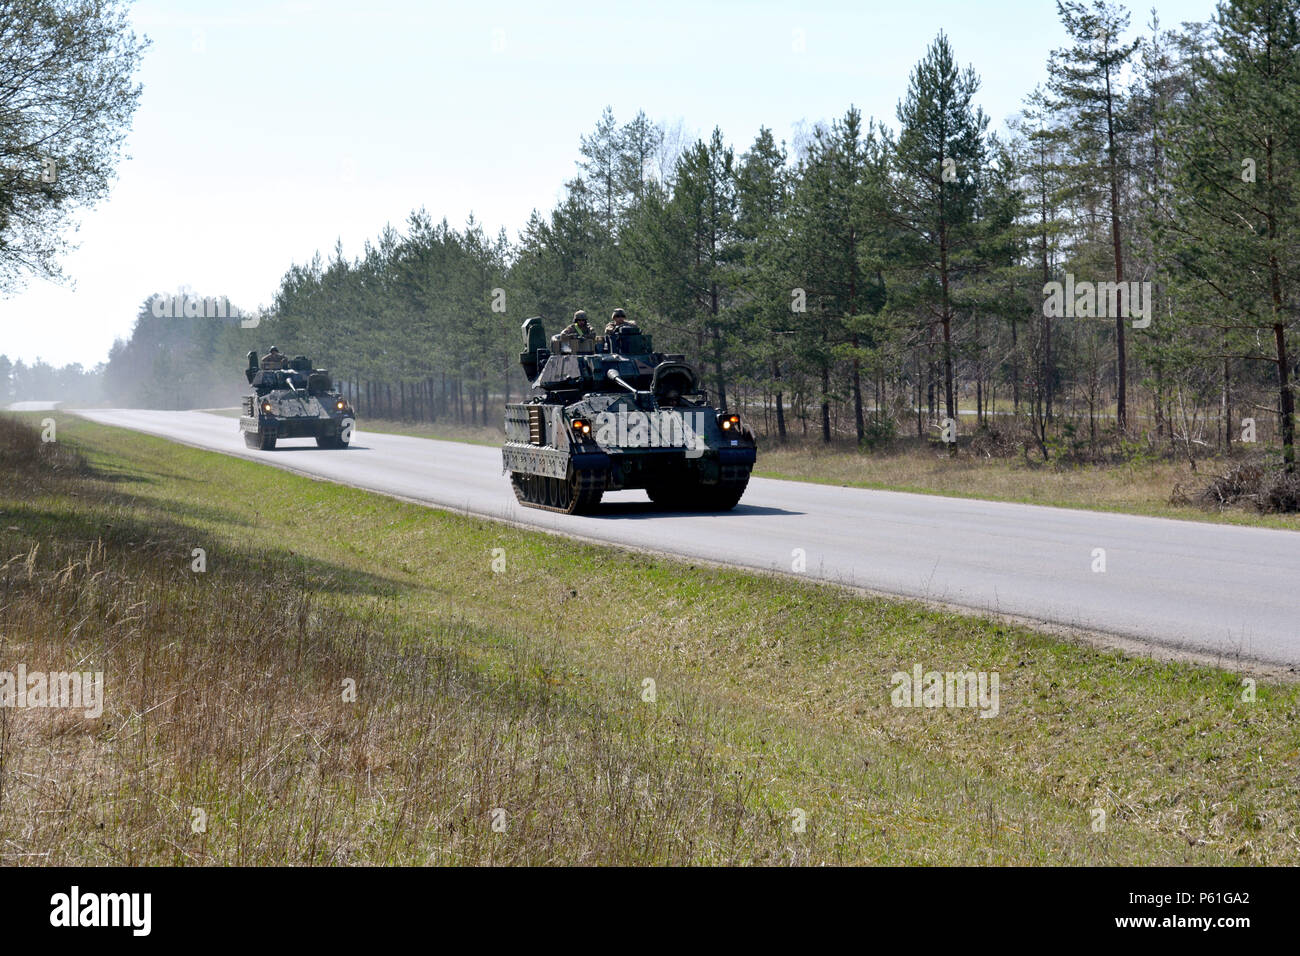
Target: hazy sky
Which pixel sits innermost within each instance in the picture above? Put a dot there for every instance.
(268, 130)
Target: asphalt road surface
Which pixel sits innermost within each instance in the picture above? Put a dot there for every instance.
(1208, 589)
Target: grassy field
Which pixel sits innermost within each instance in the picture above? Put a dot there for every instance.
(505, 714)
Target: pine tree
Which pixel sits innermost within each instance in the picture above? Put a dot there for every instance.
(762, 200)
(1233, 229)
(602, 172)
(1045, 188)
(937, 161)
(704, 204)
(1085, 83)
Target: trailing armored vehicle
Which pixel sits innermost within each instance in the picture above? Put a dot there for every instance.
(610, 413)
(293, 400)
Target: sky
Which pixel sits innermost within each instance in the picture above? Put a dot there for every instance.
(268, 131)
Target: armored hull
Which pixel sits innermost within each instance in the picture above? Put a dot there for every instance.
(612, 414)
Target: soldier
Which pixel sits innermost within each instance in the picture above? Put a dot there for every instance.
(273, 361)
(579, 326)
(619, 320)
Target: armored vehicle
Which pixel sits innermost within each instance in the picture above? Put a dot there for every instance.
(293, 401)
(609, 413)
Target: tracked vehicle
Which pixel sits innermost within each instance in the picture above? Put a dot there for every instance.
(610, 413)
(296, 401)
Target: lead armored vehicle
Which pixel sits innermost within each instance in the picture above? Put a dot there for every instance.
(294, 401)
(610, 413)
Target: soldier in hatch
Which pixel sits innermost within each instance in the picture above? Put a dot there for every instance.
(273, 361)
(579, 327)
(619, 320)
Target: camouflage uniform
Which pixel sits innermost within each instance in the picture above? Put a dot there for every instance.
(580, 331)
(619, 320)
(273, 361)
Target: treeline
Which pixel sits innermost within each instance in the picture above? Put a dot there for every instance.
(179, 360)
(1118, 265)
(41, 381)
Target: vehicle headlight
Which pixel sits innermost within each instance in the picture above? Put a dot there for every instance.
(581, 427)
(266, 407)
(339, 404)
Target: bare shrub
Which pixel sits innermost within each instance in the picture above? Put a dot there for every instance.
(1256, 483)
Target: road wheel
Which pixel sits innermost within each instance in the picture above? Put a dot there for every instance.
(519, 482)
(579, 493)
(583, 491)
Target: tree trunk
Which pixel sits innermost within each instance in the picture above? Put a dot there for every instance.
(1015, 370)
(1045, 386)
(1287, 403)
(1121, 356)
(826, 402)
(920, 424)
(858, 424)
(1225, 400)
(780, 411)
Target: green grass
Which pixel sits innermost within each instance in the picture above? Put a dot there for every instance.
(523, 690)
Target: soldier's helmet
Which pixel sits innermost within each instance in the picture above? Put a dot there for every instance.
(580, 317)
(275, 349)
(618, 314)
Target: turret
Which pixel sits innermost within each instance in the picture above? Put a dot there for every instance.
(629, 340)
(535, 352)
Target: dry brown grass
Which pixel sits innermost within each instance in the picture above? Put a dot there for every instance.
(226, 696)
(24, 456)
(226, 703)
(523, 691)
(1149, 486)
(244, 719)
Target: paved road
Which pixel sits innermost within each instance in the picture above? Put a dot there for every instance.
(1211, 589)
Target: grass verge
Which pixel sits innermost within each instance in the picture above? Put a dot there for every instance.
(505, 715)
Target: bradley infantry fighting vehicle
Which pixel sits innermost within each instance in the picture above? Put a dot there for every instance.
(293, 400)
(611, 413)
